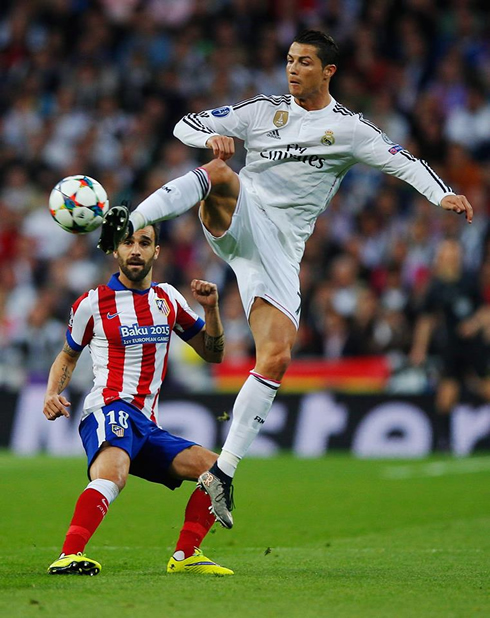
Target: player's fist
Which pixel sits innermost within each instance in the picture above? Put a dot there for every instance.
(205, 293)
(223, 147)
(458, 204)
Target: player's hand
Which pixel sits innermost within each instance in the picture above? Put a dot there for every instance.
(56, 406)
(116, 226)
(458, 204)
(205, 293)
(223, 147)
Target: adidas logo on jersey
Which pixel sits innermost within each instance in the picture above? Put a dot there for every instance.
(274, 134)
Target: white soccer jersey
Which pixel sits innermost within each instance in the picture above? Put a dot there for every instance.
(128, 334)
(296, 159)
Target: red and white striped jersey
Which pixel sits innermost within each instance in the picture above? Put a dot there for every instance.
(128, 334)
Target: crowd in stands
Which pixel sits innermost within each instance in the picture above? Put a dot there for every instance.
(96, 87)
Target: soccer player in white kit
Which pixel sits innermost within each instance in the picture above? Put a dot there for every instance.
(128, 324)
(299, 148)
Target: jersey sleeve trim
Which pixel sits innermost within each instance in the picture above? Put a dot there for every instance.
(196, 124)
(72, 343)
(261, 97)
(439, 181)
(341, 109)
(192, 331)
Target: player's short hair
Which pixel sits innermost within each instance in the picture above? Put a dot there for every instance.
(156, 229)
(326, 47)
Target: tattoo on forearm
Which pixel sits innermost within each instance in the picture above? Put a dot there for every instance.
(215, 345)
(64, 378)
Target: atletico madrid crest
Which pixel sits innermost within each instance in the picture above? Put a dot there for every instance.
(119, 431)
(162, 306)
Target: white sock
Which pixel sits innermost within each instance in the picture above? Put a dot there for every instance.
(179, 555)
(173, 199)
(108, 489)
(251, 408)
(228, 462)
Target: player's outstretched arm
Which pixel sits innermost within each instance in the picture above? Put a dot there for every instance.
(116, 226)
(458, 204)
(210, 342)
(55, 404)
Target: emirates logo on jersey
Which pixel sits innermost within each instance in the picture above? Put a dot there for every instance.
(162, 306)
(328, 139)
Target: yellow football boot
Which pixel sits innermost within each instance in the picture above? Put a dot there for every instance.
(74, 564)
(197, 563)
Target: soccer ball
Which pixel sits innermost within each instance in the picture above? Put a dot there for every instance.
(78, 204)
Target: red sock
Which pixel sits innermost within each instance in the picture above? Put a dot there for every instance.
(197, 523)
(90, 510)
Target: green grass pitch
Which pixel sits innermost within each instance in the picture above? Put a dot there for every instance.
(333, 537)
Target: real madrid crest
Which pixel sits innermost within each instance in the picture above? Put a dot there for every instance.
(328, 139)
(162, 305)
(281, 118)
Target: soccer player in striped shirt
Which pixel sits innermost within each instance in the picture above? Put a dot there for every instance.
(127, 325)
(299, 148)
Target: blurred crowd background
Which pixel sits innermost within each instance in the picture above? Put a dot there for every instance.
(96, 87)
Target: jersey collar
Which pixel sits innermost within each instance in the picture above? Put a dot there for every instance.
(301, 110)
(115, 284)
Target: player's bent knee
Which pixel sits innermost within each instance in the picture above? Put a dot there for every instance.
(219, 172)
(118, 477)
(281, 365)
(274, 366)
(112, 464)
(120, 481)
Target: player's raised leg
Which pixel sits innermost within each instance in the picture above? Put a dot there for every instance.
(274, 334)
(218, 208)
(214, 182)
(108, 473)
(198, 519)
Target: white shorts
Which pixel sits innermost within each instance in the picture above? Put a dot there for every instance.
(252, 247)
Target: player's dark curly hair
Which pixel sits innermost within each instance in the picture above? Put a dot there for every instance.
(327, 49)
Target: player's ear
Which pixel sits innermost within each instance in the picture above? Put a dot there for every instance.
(157, 252)
(329, 70)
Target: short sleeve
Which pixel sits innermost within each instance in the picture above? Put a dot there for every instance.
(81, 324)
